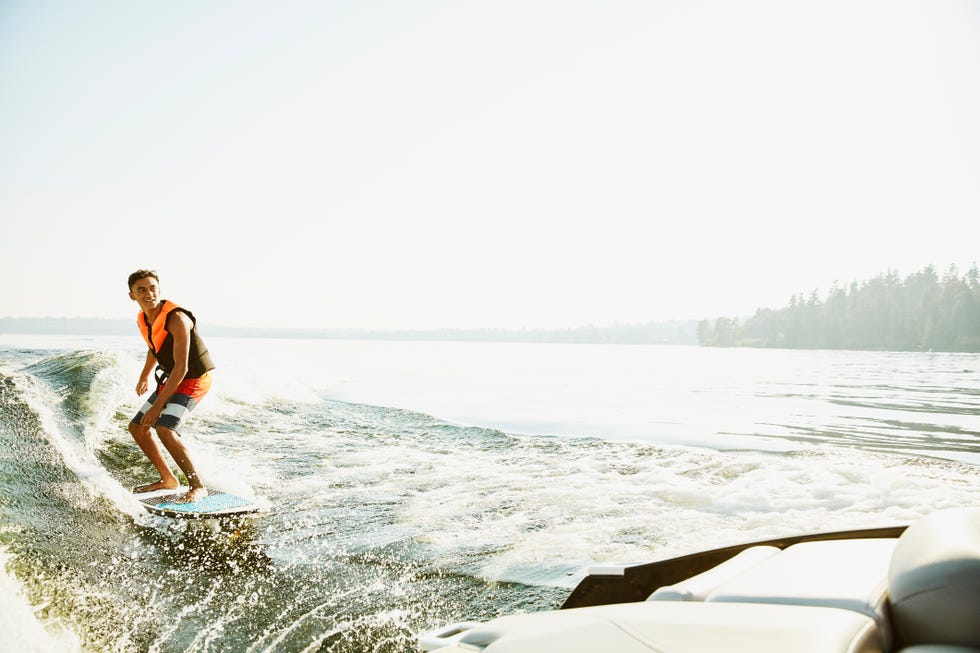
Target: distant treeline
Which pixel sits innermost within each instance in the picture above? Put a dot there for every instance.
(920, 313)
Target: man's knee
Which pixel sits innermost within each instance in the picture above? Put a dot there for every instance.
(139, 431)
(167, 435)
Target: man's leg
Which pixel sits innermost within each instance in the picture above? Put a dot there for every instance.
(144, 438)
(171, 440)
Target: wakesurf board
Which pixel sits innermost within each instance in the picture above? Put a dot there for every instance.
(216, 504)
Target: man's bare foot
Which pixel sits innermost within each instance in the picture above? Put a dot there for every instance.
(192, 495)
(158, 485)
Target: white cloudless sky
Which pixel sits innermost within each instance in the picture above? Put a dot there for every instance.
(508, 164)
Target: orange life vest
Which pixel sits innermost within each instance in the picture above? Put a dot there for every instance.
(161, 342)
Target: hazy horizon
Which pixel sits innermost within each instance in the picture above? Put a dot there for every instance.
(559, 328)
(124, 326)
(509, 165)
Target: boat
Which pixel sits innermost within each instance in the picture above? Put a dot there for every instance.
(913, 588)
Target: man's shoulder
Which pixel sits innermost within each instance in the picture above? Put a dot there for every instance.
(179, 316)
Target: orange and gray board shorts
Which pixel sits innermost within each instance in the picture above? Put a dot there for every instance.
(189, 393)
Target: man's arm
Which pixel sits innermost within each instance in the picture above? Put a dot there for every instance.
(144, 382)
(179, 326)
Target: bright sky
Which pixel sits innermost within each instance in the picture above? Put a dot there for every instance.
(452, 163)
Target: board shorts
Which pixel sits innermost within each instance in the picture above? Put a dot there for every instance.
(189, 393)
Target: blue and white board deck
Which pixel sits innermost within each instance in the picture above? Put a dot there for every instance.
(216, 504)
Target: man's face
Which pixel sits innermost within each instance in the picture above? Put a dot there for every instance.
(145, 292)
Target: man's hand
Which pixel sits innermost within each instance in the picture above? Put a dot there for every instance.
(151, 416)
(144, 383)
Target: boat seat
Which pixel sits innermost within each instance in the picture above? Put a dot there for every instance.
(939, 648)
(846, 574)
(934, 581)
(697, 588)
(676, 627)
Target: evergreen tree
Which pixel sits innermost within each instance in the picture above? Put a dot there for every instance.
(923, 312)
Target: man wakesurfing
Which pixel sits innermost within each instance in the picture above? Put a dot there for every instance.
(182, 379)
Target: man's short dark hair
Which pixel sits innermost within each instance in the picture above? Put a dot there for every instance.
(142, 274)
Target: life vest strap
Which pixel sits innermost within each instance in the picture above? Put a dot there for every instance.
(161, 377)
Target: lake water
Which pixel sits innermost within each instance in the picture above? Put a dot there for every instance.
(410, 484)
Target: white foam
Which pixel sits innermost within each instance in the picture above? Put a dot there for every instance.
(543, 510)
(20, 629)
(77, 456)
(107, 394)
(535, 509)
(224, 468)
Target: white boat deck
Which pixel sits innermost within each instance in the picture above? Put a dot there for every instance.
(919, 593)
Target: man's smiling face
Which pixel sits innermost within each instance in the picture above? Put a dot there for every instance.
(146, 293)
